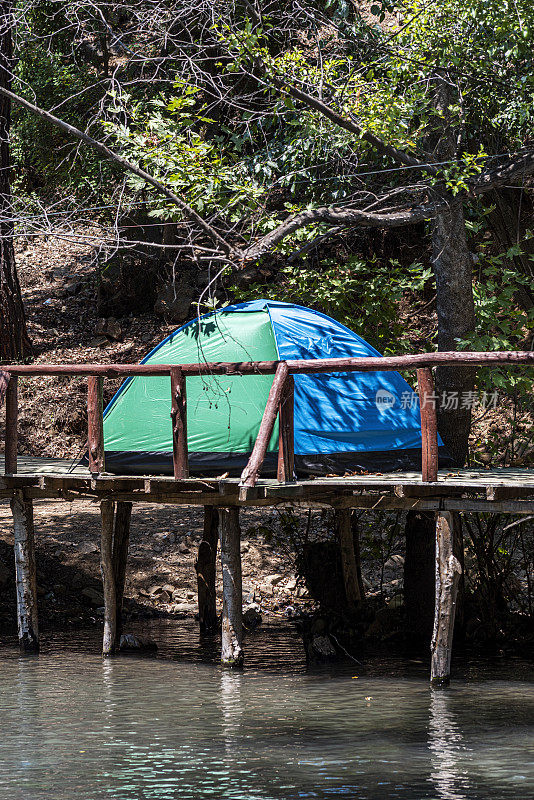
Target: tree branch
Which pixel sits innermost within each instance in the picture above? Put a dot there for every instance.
(227, 248)
(344, 217)
(515, 167)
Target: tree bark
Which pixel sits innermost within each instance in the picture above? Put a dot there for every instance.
(26, 582)
(448, 572)
(109, 642)
(205, 567)
(453, 270)
(121, 539)
(14, 341)
(348, 559)
(232, 615)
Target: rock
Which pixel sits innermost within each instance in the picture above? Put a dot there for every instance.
(155, 589)
(302, 592)
(397, 601)
(274, 580)
(174, 301)
(84, 548)
(5, 574)
(292, 584)
(183, 548)
(110, 328)
(323, 648)
(131, 644)
(252, 616)
(169, 538)
(266, 589)
(191, 595)
(394, 561)
(77, 581)
(95, 597)
(183, 608)
(163, 597)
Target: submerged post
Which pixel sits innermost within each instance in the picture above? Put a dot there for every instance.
(95, 425)
(448, 572)
(121, 539)
(286, 436)
(12, 411)
(232, 615)
(205, 567)
(179, 424)
(429, 424)
(25, 576)
(108, 578)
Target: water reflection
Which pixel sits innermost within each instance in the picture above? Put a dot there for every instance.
(448, 749)
(73, 727)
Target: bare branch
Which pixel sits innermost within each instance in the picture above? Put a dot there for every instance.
(227, 248)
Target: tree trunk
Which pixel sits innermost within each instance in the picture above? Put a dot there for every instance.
(109, 643)
(205, 567)
(453, 270)
(348, 559)
(14, 342)
(25, 576)
(448, 572)
(232, 615)
(121, 540)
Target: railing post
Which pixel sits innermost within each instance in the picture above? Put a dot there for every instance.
(95, 426)
(250, 474)
(286, 436)
(429, 424)
(12, 412)
(180, 457)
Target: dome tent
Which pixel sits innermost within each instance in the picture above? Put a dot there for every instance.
(343, 421)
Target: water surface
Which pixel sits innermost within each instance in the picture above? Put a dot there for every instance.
(74, 727)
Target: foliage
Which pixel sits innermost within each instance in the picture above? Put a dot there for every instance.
(362, 294)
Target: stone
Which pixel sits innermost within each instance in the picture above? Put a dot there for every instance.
(323, 648)
(191, 595)
(291, 585)
(84, 548)
(274, 580)
(252, 616)
(174, 301)
(95, 597)
(183, 608)
(394, 561)
(183, 548)
(302, 592)
(77, 581)
(130, 643)
(397, 601)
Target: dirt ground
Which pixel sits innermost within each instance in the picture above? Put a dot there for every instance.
(161, 577)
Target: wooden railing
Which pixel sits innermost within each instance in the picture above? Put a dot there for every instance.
(279, 402)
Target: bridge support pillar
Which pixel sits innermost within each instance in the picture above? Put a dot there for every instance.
(448, 573)
(232, 615)
(25, 573)
(205, 567)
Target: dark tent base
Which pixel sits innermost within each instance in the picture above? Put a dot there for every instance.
(213, 464)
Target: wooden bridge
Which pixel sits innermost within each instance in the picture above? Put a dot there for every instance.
(26, 479)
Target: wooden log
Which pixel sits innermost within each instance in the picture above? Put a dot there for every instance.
(348, 559)
(304, 366)
(448, 572)
(12, 411)
(429, 425)
(179, 424)
(25, 575)
(109, 642)
(250, 474)
(95, 425)
(232, 615)
(205, 567)
(286, 436)
(4, 380)
(121, 539)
